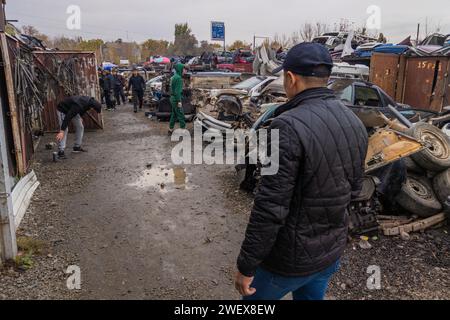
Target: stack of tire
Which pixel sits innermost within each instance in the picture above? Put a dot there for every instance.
(427, 189)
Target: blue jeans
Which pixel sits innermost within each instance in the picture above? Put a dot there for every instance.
(270, 286)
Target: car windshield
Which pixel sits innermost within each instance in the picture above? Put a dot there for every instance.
(249, 83)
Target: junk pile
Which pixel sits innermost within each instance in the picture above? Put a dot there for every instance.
(267, 60)
(30, 87)
(393, 184)
(407, 164)
(435, 45)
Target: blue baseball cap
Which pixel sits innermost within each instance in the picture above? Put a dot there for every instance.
(303, 58)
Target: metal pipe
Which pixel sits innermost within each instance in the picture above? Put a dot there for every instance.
(400, 117)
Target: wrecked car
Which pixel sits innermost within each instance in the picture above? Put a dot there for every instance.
(391, 184)
(231, 102)
(353, 92)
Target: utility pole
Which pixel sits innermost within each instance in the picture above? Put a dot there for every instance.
(418, 34)
(2, 16)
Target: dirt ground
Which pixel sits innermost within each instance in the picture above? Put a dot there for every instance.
(140, 228)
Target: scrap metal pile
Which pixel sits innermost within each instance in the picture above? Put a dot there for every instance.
(407, 182)
(30, 87)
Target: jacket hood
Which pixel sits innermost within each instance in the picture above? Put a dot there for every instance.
(179, 68)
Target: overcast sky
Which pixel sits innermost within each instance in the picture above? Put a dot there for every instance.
(137, 20)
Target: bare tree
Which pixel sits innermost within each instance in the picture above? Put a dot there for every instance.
(280, 41)
(307, 32)
(295, 38)
(321, 28)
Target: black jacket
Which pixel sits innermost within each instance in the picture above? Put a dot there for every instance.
(298, 225)
(76, 105)
(137, 82)
(119, 81)
(108, 82)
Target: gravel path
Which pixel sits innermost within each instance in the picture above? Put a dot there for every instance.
(141, 228)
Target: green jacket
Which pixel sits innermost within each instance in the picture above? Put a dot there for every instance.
(176, 84)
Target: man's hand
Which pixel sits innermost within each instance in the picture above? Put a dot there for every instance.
(60, 136)
(243, 283)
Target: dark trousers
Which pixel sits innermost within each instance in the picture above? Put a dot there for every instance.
(119, 94)
(138, 99)
(108, 101)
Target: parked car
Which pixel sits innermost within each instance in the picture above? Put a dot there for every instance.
(242, 61)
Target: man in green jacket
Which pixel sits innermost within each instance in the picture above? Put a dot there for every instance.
(176, 90)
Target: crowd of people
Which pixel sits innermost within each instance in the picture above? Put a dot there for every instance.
(112, 87)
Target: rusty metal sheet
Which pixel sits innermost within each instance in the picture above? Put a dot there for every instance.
(446, 100)
(425, 82)
(84, 81)
(400, 79)
(384, 71)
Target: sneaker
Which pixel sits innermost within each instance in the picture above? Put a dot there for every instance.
(61, 155)
(170, 132)
(78, 150)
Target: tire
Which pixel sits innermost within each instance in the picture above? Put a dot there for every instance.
(412, 166)
(441, 186)
(417, 197)
(437, 157)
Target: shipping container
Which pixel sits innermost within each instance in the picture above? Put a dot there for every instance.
(421, 82)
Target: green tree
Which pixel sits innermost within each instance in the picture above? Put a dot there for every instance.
(185, 42)
(153, 47)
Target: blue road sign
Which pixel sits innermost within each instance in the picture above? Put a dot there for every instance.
(217, 31)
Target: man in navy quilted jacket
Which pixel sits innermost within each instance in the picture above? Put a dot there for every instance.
(298, 226)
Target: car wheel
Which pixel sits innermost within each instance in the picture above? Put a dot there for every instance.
(412, 166)
(441, 186)
(437, 156)
(417, 197)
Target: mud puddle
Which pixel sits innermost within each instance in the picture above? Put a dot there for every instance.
(163, 179)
